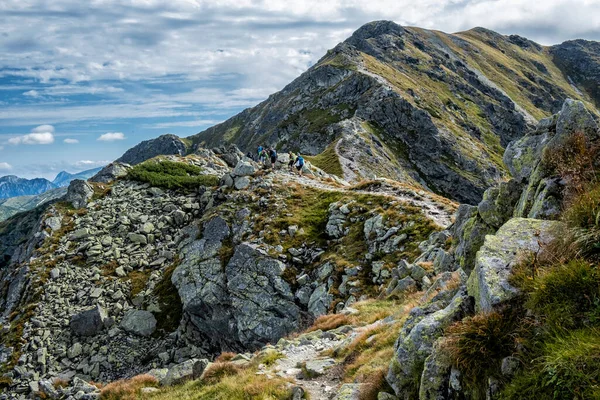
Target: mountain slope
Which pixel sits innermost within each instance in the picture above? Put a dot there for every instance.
(411, 104)
(15, 205)
(64, 178)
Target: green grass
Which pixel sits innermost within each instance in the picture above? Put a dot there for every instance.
(567, 368)
(568, 296)
(171, 175)
(328, 161)
(476, 345)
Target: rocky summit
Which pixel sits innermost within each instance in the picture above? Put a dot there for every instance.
(186, 269)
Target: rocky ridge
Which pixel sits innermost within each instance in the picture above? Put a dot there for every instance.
(99, 276)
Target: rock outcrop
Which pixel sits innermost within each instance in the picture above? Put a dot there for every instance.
(514, 220)
(162, 145)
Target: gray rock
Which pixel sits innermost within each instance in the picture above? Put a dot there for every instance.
(573, 118)
(348, 391)
(137, 238)
(54, 223)
(139, 322)
(510, 365)
(162, 145)
(436, 375)
(318, 367)
(191, 369)
(319, 301)
(244, 168)
(111, 172)
(469, 233)
(488, 283)
(79, 234)
(416, 341)
(241, 182)
(89, 322)
(404, 286)
(78, 193)
(498, 203)
(244, 305)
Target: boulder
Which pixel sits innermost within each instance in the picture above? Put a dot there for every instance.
(190, 369)
(78, 193)
(574, 118)
(111, 172)
(163, 145)
(498, 203)
(244, 168)
(522, 156)
(488, 283)
(348, 391)
(469, 233)
(89, 322)
(241, 182)
(245, 304)
(319, 301)
(319, 366)
(416, 341)
(436, 375)
(139, 322)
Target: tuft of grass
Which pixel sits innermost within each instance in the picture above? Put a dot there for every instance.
(219, 370)
(568, 368)
(139, 280)
(476, 345)
(567, 295)
(171, 175)
(574, 160)
(129, 389)
(328, 322)
(225, 356)
(244, 384)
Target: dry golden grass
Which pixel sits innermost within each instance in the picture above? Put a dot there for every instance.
(225, 356)
(329, 322)
(127, 389)
(219, 370)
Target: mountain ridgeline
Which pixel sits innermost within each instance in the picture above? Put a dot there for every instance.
(417, 105)
(187, 270)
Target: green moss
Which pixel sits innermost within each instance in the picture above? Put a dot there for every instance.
(171, 175)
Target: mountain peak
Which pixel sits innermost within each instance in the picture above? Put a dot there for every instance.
(377, 28)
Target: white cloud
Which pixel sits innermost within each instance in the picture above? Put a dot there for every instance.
(43, 134)
(4, 166)
(111, 136)
(32, 93)
(43, 129)
(90, 163)
(71, 141)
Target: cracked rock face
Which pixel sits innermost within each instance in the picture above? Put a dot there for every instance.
(243, 304)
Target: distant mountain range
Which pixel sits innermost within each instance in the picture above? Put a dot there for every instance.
(13, 186)
(20, 194)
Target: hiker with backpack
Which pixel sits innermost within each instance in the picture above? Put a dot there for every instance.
(273, 155)
(262, 156)
(299, 164)
(258, 153)
(292, 161)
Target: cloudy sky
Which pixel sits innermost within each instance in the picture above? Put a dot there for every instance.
(82, 81)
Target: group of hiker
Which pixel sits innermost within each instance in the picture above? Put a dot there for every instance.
(265, 154)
